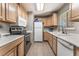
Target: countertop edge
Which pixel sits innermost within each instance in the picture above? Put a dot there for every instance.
(11, 41)
(64, 40)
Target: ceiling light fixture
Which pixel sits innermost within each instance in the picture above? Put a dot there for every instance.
(40, 6)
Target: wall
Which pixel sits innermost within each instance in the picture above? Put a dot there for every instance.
(4, 27)
(63, 16)
(30, 24)
(70, 23)
(30, 21)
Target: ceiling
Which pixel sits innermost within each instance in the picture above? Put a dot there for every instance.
(48, 8)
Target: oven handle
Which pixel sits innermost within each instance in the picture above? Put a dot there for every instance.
(27, 35)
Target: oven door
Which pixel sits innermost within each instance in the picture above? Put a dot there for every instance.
(27, 43)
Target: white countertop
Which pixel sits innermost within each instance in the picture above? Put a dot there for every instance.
(71, 38)
(7, 39)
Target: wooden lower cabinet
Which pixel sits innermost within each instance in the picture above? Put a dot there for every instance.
(21, 49)
(14, 48)
(52, 40)
(45, 36)
(76, 51)
(54, 46)
(48, 38)
(13, 52)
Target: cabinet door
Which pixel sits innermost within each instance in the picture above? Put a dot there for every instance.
(75, 10)
(48, 22)
(50, 39)
(0, 11)
(76, 51)
(45, 36)
(11, 12)
(54, 19)
(21, 49)
(19, 11)
(13, 52)
(3, 11)
(54, 47)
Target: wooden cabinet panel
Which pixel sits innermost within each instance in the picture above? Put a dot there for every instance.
(13, 47)
(54, 19)
(22, 13)
(50, 39)
(45, 36)
(2, 11)
(13, 52)
(54, 46)
(50, 20)
(74, 11)
(76, 51)
(21, 49)
(45, 22)
(11, 12)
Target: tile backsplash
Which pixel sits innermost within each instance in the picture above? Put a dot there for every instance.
(4, 27)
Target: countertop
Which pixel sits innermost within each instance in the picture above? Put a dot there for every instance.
(70, 38)
(7, 39)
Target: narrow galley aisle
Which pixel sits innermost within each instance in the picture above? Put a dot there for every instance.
(40, 49)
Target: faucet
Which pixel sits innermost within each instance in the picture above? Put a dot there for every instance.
(64, 31)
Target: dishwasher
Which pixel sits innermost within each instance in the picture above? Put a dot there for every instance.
(64, 48)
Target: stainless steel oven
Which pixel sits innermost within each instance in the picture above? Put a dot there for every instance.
(20, 30)
(27, 43)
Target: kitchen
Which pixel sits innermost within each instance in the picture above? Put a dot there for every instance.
(39, 29)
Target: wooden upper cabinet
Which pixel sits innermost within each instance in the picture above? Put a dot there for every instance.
(11, 12)
(2, 11)
(19, 11)
(50, 20)
(45, 22)
(74, 11)
(54, 19)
